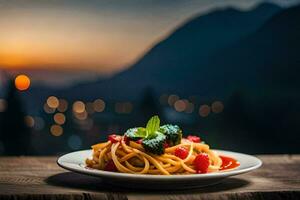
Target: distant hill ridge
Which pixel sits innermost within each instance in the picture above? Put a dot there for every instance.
(266, 59)
(182, 56)
(178, 63)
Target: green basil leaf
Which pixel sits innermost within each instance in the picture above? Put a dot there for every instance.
(141, 132)
(152, 126)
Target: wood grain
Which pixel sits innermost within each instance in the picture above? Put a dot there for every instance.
(40, 178)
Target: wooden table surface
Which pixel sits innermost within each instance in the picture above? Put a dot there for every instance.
(41, 178)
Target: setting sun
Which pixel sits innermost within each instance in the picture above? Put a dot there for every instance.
(22, 82)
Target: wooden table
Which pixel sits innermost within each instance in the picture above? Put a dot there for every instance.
(41, 178)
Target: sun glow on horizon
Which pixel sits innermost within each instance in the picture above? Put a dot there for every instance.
(55, 51)
(61, 38)
(22, 82)
(103, 37)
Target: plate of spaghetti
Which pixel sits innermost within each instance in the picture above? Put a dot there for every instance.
(158, 157)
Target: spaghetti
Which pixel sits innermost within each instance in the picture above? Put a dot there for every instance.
(125, 156)
(156, 149)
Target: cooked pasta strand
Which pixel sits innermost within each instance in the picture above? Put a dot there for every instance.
(132, 158)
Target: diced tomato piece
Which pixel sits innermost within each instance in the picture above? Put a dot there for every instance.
(114, 138)
(194, 138)
(166, 145)
(110, 166)
(181, 152)
(140, 141)
(201, 163)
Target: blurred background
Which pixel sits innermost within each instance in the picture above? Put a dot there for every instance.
(72, 72)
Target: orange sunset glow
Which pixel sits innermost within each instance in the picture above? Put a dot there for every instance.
(36, 49)
(102, 36)
(96, 38)
(71, 42)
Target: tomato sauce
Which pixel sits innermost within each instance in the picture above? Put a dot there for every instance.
(228, 163)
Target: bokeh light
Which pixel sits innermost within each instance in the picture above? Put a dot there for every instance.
(123, 107)
(53, 102)
(63, 105)
(99, 105)
(56, 130)
(172, 99)
(217, 107)
(81, 116)
(118, 107)
(3, 105)
(180, 105)
(128, 107)
(39, 123)
(74, 142)
(86, 124)
(204, 110)
(22, 82)
(48, 110)
(29, 121)
(59, 118)
(190, 108)
(78, 107)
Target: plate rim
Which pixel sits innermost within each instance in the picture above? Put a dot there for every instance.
(104, 174)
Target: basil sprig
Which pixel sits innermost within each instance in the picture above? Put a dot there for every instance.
(151, 130)
(155, 137)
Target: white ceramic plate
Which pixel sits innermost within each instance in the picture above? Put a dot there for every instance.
(76, 162)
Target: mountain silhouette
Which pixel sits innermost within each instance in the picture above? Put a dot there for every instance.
(179, 57)
(193, 43)
(178, 60)
(176, 64)
(266, 59)
(263, 68)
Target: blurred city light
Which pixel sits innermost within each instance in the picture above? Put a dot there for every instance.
(123, 107)
(204, 110)
(190, 108)
(99, 105)
(81, 116)
(74, 142)
(128, 107)
(118, 107)
(29, 121)
(78, 107)
(39, 123)
(53, 102)
(86, 124)
(63, 105)
(172, 99)
(180, 105)
(22, 82)
(59, 118)
(56, 130)
(48, 110)
(217, 107)
(3, 105)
